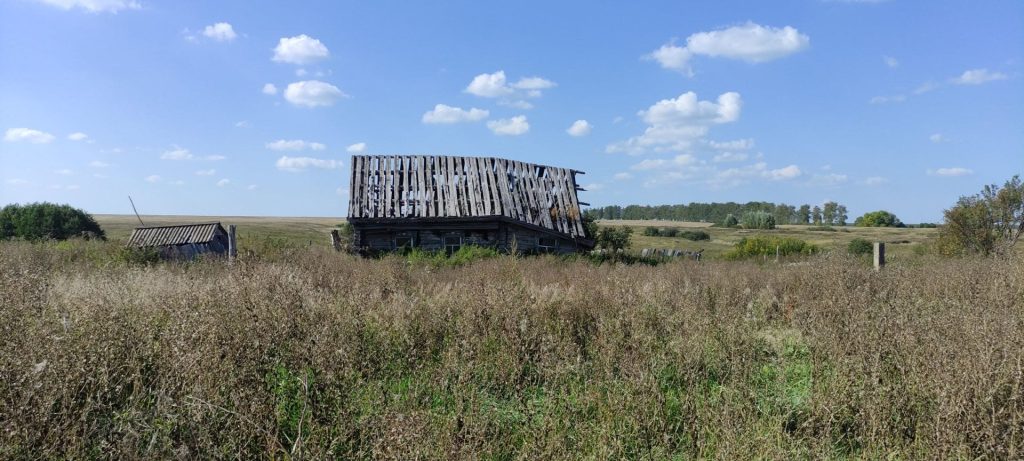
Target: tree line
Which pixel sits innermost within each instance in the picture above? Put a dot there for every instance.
(828, 214)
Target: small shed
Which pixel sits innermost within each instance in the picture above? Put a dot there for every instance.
(445, 202)
(183, 241)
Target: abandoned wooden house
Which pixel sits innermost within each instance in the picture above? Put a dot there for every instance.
(445, 202)
(185, 241)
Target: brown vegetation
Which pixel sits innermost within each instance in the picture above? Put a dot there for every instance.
(322, 355)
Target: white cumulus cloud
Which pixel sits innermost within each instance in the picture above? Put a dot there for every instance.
(356, 148)
(514, 126)
(730, 157)
(95, 6)
(176, 154)
(294, 145)
(295, 164)
(313, 93)
(223, 182)
(78, 136)
(489, 85)
(950, 172)
(153, 178)
(748, 42)
(496, 85)
(789, 172)
(447, 114)
(891, 62)
(937, 138)
(676, 124)
(270, 89)
(209, 172)
(221, 32)
(28, 135)
(978, 76)
(579, 128)
(301, 49)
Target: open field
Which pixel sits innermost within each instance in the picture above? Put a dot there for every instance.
(255, 232)
(251, 229)
(900, 242)
(314, 354)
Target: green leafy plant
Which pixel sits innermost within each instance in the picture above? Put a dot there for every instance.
(758, 220)
(38, 221)
(859, 246)
(765, 246)
(880, 218)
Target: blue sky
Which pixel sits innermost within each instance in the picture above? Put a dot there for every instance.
(245, 108)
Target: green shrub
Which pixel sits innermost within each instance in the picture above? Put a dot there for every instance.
(651, 231)
(758, 220)
(695, 235)
(880, 218)
(670, 232)
(764, 246)
(731, 221)
(39, 221)
(614, 238)
(137, 256)
(859, 246)
(464, 255)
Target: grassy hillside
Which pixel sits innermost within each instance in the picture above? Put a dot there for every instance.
(322, 355)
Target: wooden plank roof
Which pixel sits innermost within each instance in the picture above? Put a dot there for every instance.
(417, 186)
(183, 234)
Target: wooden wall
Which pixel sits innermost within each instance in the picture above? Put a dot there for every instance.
(504, 237)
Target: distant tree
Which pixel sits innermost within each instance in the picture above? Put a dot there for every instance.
(758, 220)
(880, 218)
(990, 222)
(45, 220)
(803, 215)
(828, 213)
(816, 215)
(731, 221)
(614, 238)
(841, 215)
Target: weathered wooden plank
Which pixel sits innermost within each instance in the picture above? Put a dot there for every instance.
(419, 206)
(577, 212)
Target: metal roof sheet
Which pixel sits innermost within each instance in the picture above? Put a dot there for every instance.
(174, 235)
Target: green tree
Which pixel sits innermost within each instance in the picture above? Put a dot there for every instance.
(880, 218)
(990, 222)
(816, 215)
(37, 221)
(804, 214)
(731, 221)
(828, 213)
(841, 215)
(614, 238)
(758, 220)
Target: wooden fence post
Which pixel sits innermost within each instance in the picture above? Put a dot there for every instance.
(336, 240)
(879, 255)
(232, 243)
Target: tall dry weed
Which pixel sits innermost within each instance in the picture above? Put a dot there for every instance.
(328, 356)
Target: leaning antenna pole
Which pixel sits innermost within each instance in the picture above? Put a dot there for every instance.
(136, 211)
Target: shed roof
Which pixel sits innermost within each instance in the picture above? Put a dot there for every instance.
(183, 234)
(412, 186)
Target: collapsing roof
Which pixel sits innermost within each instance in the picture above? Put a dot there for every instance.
(440, 187)
(184, 234)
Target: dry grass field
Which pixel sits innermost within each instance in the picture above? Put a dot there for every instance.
(306, 353)
(263, 232)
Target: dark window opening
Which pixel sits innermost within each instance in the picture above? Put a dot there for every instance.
(452, 244)
(547, 244)
(403, 242)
